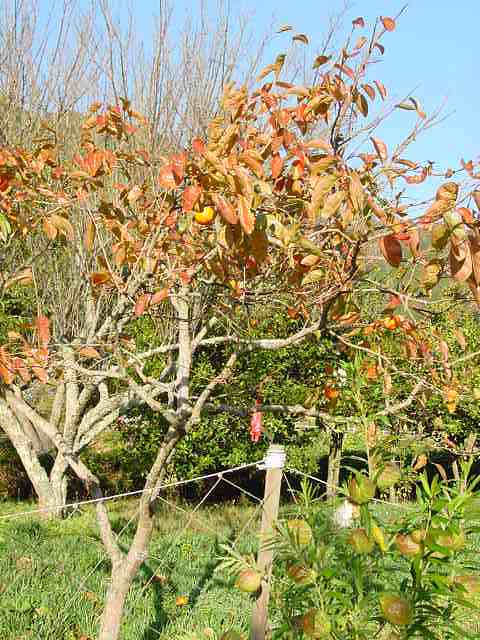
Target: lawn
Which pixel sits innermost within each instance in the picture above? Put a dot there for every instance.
(53, 574)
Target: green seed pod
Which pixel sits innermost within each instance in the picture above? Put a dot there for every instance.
(453, 542)
(361, 490)
(396, 609)
(249, 581)
(418, 535)
(315, 624)
(301, 532)
(389, 476)
(301, 574)
(407, 545)
(360, 542)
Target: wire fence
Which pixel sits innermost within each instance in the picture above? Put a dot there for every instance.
(61, 570)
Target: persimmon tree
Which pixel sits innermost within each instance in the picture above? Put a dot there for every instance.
(280, 205)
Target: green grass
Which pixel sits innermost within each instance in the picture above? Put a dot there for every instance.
(53, 576)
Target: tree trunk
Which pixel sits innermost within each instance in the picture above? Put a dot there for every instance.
(121, 580)
(59, 485)
(334, 459)
(123, 573)
(51, 490)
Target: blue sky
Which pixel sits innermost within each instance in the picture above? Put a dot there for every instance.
(433, 50)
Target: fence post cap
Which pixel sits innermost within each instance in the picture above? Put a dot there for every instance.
(274, 458)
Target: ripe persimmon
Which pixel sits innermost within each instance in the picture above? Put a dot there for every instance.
(205, 216)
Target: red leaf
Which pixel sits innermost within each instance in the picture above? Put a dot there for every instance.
(190, 197)
(277, 166)
(300, 37)
(142, 303)
(6, 374)
(468, 166)
(360, 42)
(380, 148)
(466, 214)
(369, 90)
(320, 60)
(89, 352)
(421, 177)
(247, 217)
(99, 277)
(166, 179)
(185, 277)
(43, 328)
(347, 70)
(391, 249)
(178, 162)
(381, 89)
(388, 23)
(358, 22)
(158, 296)
(4, 182)
(40, 373)
(198, 146)
(225, 209)
(19, 366)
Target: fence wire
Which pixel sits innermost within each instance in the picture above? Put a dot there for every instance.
(80, 586)
(151, 592)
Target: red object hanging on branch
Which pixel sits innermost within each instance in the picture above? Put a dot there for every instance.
(256, 427)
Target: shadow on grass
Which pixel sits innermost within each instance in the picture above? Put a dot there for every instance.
(161, 618)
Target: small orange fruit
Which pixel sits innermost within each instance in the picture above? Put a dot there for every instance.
(391, 323)
(205, 216)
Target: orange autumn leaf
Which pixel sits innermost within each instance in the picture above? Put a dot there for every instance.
(190, 197)
(391, 249)
(42, 325)
(388, 23)
(420, 462)
(89, 352)
(225, 209)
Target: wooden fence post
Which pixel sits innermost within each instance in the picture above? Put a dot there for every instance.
(273, 463)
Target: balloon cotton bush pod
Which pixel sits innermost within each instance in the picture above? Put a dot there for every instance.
(315, 624)
(360, 541)
(408, 546)
(361, 489)
(451, 541)
(396, 609)
(302, 574)
(300, 531)
(249, 581)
